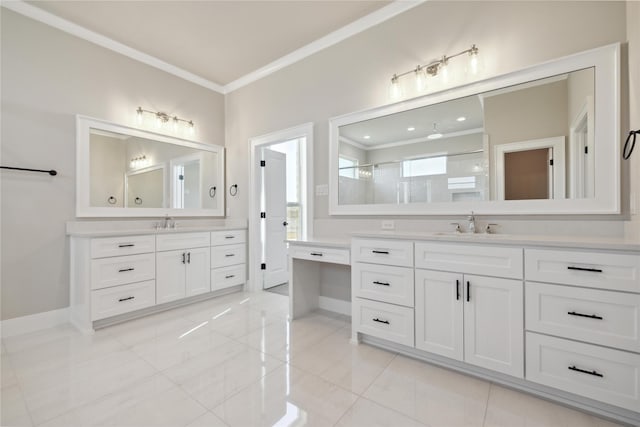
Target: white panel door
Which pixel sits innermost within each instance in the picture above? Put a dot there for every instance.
(170, 275)
(493, 324)
(275, 224)
(439, 313)
(197, 272)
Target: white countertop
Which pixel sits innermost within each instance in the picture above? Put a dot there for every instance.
(578, 242)
(141, 227)
(329, 242)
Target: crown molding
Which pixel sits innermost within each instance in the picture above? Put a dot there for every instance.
(69, 27)
(371, 20)
(383, 14)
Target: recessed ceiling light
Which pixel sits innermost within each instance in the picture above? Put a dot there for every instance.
(461, 119)
(411, 128)
(367, 137)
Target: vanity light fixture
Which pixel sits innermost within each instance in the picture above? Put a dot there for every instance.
(433, 69)
(163, 118)
(139, 162)
(434, 134)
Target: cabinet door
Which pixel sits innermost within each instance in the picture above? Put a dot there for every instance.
(493, 324)
(170, 274)
(197, 276)
(439, 313)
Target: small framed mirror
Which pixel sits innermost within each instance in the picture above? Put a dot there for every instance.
(129, 172)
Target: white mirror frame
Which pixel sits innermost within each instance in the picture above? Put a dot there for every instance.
(606, 61)
(83, 174)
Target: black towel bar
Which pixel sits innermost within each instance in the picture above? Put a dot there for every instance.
(51, 172)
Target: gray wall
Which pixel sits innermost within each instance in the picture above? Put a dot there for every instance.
(354, 75)
(48, 77)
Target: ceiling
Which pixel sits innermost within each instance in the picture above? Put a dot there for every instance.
(219, 41)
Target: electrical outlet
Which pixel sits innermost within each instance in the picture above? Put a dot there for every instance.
(388, 225)
(322, 190)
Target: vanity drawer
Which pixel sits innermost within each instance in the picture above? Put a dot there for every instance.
(125, 245)
(381, 251)
(122, 299)
(383, 283)
(170, 242)
(113, 271)
(600, 317)
(611, 376)
(226, 277)
(222, 256)
(465, 258)
(228, 237)
(589, 269)
(321, 254)
(386, 321)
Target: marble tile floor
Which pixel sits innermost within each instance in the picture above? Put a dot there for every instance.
(237, 361)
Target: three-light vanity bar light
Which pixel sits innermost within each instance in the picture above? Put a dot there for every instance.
(433, 69)
(164, 118)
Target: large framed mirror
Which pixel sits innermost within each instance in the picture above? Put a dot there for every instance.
(542, 140)
(128, 172)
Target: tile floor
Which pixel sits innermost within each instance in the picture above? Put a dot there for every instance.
(237, 361)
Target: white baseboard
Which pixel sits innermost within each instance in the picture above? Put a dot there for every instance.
(335, 305)
(34, 322)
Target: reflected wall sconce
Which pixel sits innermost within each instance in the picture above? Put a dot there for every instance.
(422, 73)
(164, 119)
(139, 162)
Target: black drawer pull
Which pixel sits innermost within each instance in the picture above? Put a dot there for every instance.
(126, 269)
(127, 245)
(468, 292)
(230, 255)
(381, 252)
(592, 270)
(594, 373)
(457, 290)
(386, 322)
(184, 257)
(381, 283)
(230, 276)
(229, 237)
(188, 257)
(316, 254)
(125, 299)
(590, 316)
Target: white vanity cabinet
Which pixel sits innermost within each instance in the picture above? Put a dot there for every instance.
(382, 289)
(115, 278)
(183, 266)
(583, 323)
(228, 258)
(470, 317)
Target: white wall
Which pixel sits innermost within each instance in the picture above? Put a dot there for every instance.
(47, 77)
(633, 36)
(354, 75)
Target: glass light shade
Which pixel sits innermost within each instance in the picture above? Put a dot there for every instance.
(395, 91)
(421, 79)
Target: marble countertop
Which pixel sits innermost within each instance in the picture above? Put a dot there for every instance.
(578, 242)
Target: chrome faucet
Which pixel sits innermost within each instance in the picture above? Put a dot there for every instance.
(472, 223)
(168, 222)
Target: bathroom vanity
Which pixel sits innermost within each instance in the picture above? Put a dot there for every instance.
(558, 317)
(118, 275)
